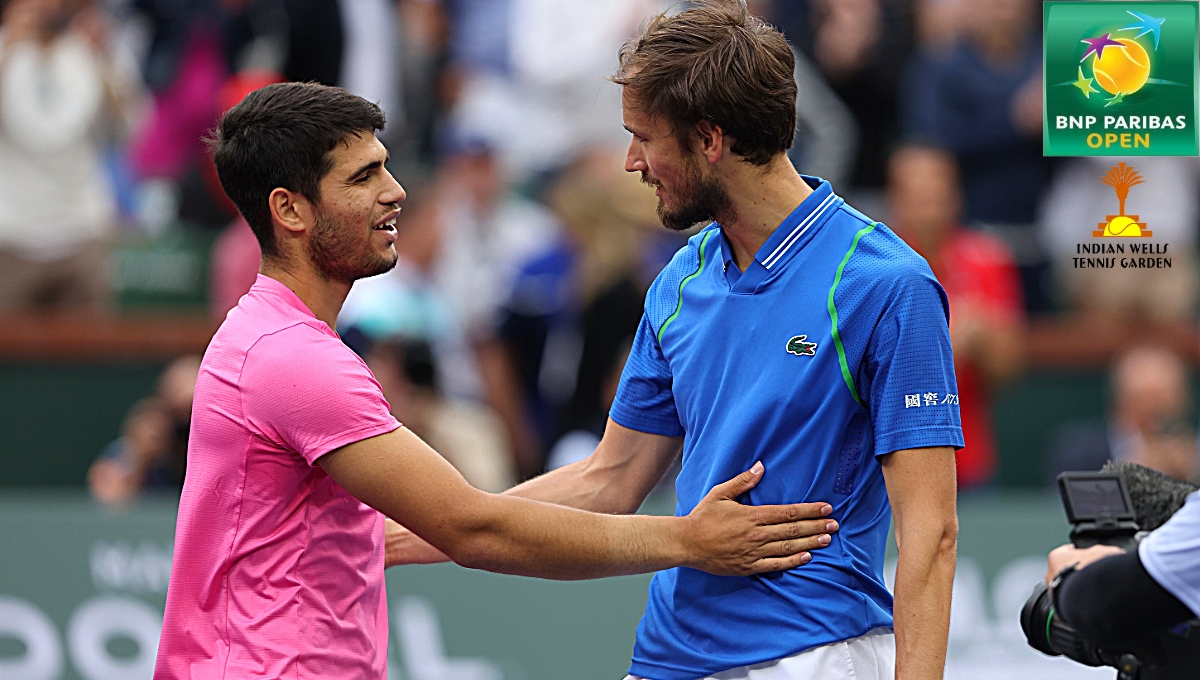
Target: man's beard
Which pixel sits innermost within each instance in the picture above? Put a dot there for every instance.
(701, 199)
(338, 256)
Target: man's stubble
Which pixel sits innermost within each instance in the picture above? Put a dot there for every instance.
(702, 199)
(337, 256)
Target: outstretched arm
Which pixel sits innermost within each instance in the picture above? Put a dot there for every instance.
(614, 480)
(922, 491)
(399, 475)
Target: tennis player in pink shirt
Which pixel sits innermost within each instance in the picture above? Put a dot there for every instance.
(294, 458)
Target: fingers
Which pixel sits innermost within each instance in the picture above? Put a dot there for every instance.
(779, 514)
(794, 546)
(780, 563)
(740, 484)
(813, 528)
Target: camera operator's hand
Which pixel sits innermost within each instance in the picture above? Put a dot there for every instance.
(1065, 555)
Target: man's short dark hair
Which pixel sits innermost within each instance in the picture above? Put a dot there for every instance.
(716, 62)
(282, 136)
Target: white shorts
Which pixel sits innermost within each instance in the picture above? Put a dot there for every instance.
(868, 657)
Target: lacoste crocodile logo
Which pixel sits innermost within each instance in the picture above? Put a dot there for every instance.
(800, 348)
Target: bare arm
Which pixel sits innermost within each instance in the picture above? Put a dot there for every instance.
(921, 488)
(615, 480)
(402, 477)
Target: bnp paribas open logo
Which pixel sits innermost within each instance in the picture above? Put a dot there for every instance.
(1120, 79)
(1115, 240)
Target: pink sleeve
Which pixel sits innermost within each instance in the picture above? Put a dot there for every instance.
(305, 391)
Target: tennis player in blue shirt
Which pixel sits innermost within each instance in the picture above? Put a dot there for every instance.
(791, 330)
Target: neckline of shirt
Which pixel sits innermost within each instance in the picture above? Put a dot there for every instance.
(270, 286)
(787, 239)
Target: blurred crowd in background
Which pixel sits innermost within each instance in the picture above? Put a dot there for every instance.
(525, 248)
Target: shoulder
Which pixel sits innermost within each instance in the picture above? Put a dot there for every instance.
(297, 350)
(664, 293)
(874, 257)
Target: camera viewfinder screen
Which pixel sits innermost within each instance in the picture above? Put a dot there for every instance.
(1096, 497)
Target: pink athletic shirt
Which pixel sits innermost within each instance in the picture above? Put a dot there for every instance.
(278, 571)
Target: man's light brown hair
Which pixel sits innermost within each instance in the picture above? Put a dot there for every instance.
(719, 63)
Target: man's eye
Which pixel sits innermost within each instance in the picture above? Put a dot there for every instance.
(362, 180)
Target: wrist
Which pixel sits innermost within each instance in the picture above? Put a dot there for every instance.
(679, 546)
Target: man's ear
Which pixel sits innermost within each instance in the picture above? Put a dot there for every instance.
(710, 140)
(290, 210)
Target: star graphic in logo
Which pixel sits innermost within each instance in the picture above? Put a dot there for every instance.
(1117, 99)
(1096, 45)
(1146, 24)
(1084, 85)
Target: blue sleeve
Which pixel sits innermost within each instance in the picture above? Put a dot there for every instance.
(644, 400)
(909, 383)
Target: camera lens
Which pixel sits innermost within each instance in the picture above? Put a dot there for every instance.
(1035, 620)
(1049, 634)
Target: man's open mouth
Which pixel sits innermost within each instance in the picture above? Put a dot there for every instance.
(389, 224)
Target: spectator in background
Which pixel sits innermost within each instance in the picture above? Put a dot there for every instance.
(576, 306)
(63, 96)
(469, 435)
(423, 44)
(533, 75)
(1168, 202)
(486, 231)
(826, 140)
(184, 69)
(152, 450)
(860, 47)
(981, 100)
(404, 328)
(198, 47)
(1149, 420)
(939, 23)
(982, 284)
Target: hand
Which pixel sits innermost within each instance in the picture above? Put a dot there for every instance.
(968, 329)
(402, 546)
(110, 483)
(730, 539)
(1065, 555)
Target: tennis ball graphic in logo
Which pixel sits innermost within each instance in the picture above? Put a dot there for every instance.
(1122, 70)
(1122, 226)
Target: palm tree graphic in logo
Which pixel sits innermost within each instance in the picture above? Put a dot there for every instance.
(1122, 178)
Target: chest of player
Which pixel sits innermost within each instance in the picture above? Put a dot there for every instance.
(768, 356)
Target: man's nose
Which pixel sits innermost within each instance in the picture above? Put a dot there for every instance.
(394, 193)
(633, 159)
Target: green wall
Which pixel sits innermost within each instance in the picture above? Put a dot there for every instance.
(1026, 414)
(55, 417)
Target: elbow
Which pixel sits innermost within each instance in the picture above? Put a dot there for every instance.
(469, 538)
(948, 543)
(940, 541)
(474, 552)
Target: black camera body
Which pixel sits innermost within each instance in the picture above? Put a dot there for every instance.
(1101, 512)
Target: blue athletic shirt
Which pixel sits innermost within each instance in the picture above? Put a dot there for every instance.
(831, 349)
